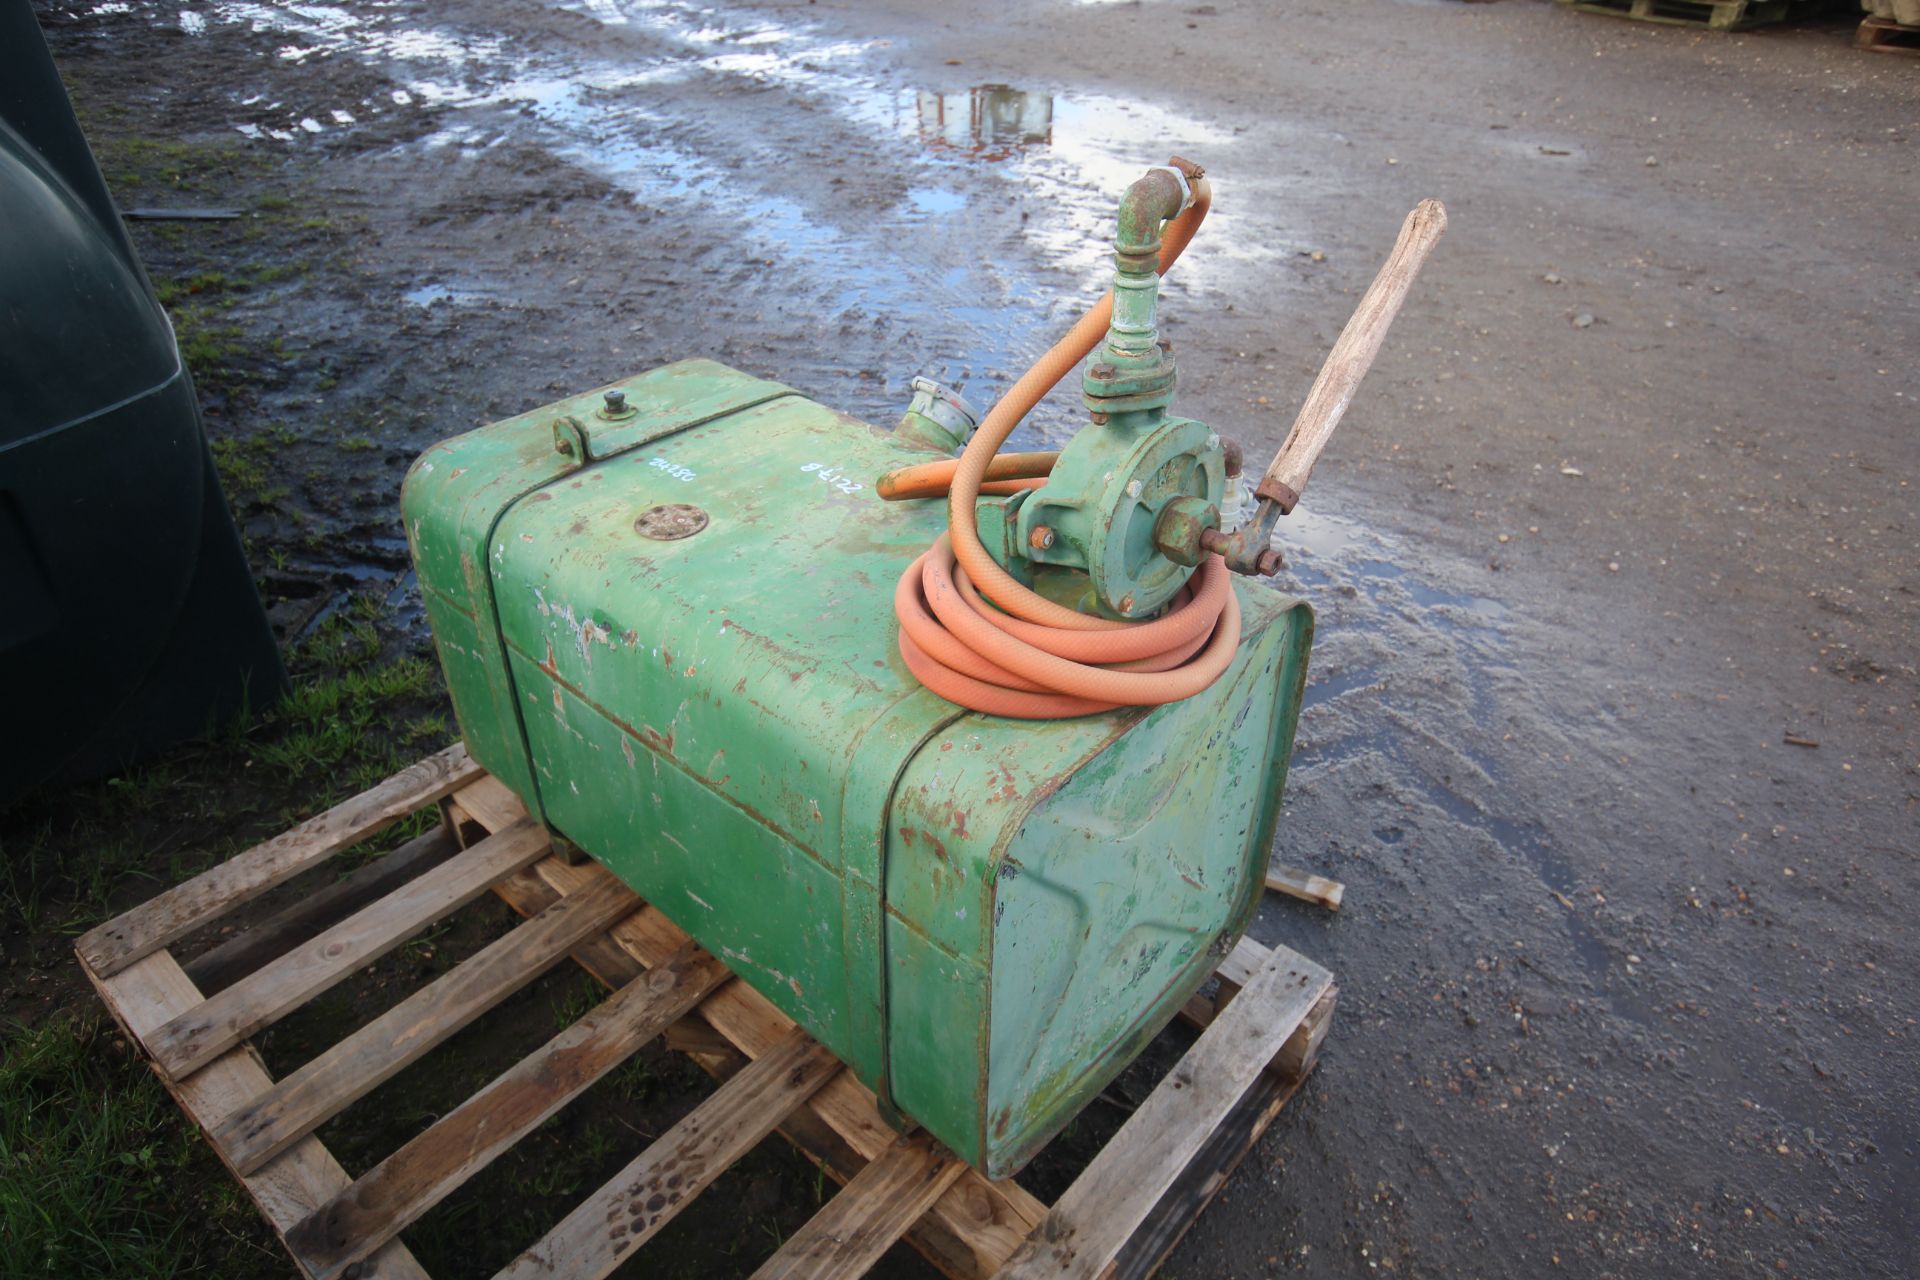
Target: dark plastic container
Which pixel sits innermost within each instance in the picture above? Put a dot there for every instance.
(128, 617)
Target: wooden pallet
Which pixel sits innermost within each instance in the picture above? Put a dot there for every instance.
(1883, 35)
(1718, 15)
(1131, 1204)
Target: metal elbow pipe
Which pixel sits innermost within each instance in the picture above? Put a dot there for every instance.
(1150, 202)
(1148, 205)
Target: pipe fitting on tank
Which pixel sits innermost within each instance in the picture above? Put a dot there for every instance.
(937, 418)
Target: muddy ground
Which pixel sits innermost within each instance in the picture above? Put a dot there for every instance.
(1611, 723)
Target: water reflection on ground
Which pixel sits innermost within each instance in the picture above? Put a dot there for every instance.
(986, 122)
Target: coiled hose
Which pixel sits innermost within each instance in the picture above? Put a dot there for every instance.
(974, 635)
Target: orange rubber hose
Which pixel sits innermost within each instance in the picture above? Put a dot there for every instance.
(932, 479)
(974, 635)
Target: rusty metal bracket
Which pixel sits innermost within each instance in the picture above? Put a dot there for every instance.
(570, 439)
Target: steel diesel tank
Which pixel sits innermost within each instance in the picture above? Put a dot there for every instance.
(664, 619)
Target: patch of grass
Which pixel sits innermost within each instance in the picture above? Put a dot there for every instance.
(357, 444)
(242, 464)
(338, 715)
(211, 348)
(211, 168)
(99, 1175)
(228, 289)
(581, 998)
(171, 291)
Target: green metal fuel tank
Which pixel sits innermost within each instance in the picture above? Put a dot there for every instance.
(666, 622)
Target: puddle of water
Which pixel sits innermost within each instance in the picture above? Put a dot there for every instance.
(987, 122)
(933, 200)
(1378, 602)
(428, 295)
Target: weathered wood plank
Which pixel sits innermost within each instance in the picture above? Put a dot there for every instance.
(1201, 1180)
(379, 1050)
(383, 1202)
(646, 1195)
(869, 1214)
(1224, 1149)
(260, 999)
(600, 956)
(1093, 1220)
(322, 909)
(490, 802)
(1246, 959)
(1302, 1049)
(185, 907)
(1296, 882)
(950, 1255)
(144, 996)
(991, 1218)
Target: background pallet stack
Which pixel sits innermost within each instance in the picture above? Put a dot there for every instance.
(1718, 15)
(1892, 26)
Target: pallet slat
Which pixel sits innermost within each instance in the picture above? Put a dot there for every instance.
(951, 1255)
(1718, 15)
(1098, 1214)
(600, 956)
(379, 1050)
(300, 921)
(385, 1200)
(260, 999)
(646, 1195)
(991, 1217)
(1883, 35)
(164, 920)
(151, 990)
(986, 1220)
(1207, 1173)
(869, 1214)
(1298, 882)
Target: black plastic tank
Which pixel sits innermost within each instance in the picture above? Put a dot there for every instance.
(129, 619)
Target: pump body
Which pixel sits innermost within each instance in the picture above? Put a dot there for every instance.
(665, 624)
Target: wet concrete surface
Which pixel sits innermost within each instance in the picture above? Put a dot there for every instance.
(1626, 976)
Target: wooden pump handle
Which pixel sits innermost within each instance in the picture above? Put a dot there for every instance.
(1351, 357)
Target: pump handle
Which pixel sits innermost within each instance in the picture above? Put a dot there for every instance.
(1351, 357)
